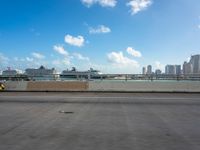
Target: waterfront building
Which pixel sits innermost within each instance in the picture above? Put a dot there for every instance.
(158, 71)
(187, 68)
(144, 71)
(170, 69)
(40, 71)
(149, 69)
(178, 69)
(195, 63)
(173, 69)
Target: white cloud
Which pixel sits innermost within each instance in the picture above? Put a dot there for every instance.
(3, 59)
(38, 55)
(99, 29)
(58, 62)
(75, 41)
(80, 57)
(107, 3)
(158, 65)
(103, 3)
(19, 71)
(29, 59)
(118, 59)
(199, 26)
(22, 59)
(60, 50)
(188, 59)
(66, 61)
(138, 5)
(88, 3)
(133, 52)
(16, 58)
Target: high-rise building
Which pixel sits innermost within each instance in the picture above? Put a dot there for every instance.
(144, 70)
(173, 69)
(187, 68)
(195, 63)
(178, 69)
(149, 69)
(170, 69)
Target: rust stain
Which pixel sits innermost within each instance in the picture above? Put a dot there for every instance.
(57, 86)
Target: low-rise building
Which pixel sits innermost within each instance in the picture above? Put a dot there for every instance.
(158, 71)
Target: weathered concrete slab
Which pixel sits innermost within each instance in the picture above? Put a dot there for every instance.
(16, 85)
(57, 86)
(145, 86)
(120, 86)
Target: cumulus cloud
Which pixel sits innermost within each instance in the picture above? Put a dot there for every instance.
(75, 41)
(38, 55)
(80, 57)
(66, 61)
(28, 59)
(99, 29)
(138, 5)
(61, 62)
(103, 3)
(16, 58)
(117, 58)
(68, 58)
(60, 49)
(158, 65)
(107, 3)
(133, 52)
(3, 59)
(88, 3)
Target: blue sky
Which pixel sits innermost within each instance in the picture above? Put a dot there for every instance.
(114, 36)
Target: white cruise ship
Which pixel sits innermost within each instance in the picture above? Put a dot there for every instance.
(90, 74)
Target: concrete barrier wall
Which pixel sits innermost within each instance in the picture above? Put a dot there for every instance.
(103, 86)
(57, 86)
(16, 85)
(145, 86)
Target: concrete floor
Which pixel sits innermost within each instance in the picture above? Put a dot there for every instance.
(99, 121)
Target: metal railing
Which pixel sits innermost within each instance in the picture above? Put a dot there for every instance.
(103, 77)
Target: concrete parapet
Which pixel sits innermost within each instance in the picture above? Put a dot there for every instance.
(121, 86)
(57, 86)
(16, 85)
(144, 86)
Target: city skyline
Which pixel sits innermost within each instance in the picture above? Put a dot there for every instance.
(113, 36)
(190, 67)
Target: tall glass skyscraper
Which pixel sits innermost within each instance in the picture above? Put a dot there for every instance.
(195, 63)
